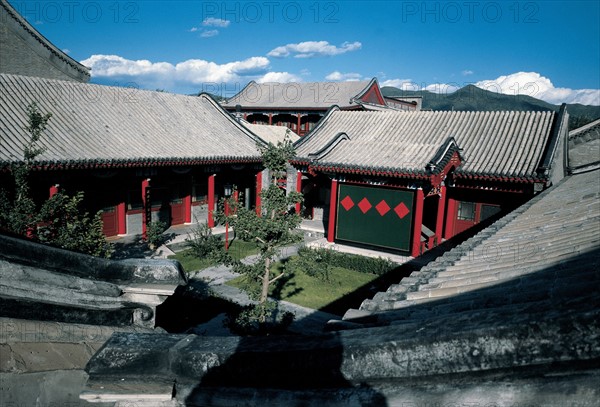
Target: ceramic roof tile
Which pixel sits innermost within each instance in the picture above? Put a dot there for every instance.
(499, 143)
(118, 125)
(296, 95)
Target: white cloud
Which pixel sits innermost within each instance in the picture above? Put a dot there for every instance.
(209, 33)
(338, 76)
(309, 49)
(404, 84)
(66, 51)
(280, 77)
(539, 87)
(215, 22)
(467, 72)
(193, 29)
(150, 75)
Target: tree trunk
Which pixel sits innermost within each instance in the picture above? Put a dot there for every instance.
(264, 294)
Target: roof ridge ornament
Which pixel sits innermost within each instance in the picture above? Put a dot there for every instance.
(330, 146)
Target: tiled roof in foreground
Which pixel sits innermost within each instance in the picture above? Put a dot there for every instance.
(539, 257)
(584, 146)
(94, 125)
(499, 144)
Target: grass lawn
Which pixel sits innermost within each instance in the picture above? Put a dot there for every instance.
(238, 249)
(312, 292)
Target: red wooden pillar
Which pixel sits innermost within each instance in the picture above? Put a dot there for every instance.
(298, 189)
(450, 218)
(332, 211)
(439, 223)
(418, 222)
(258, 191)
(270, 119)
(121, 219)
(211, 200)
(54, 190)
(299, 123)
(146, 205)
(187, 207)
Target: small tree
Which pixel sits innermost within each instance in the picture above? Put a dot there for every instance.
(272, 227)
(59, 222)
(18, 216)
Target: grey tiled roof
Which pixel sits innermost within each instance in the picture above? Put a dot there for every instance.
(509, 144)
(299, 95)
(93, 124)
(584, 145)
(542, 253)
(272, 134)
(30, 30)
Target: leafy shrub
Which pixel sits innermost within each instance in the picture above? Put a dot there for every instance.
(154, 233)
(318, 262)
(370, 265)
(203, 244)
(247, 321)
(62, 224)
(313, 262)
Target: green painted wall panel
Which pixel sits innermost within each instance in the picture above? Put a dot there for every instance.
(375, 216)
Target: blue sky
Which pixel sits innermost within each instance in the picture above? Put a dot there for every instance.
(546, 49)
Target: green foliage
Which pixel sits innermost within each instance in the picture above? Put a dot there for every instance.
(249, 320)
(203, 244)
(369, 265)
(311, 292)
(36, 124)
(313, 262)
(154, 233)
(61, 223)
(319, 262)
(270, 228)
(276, 157)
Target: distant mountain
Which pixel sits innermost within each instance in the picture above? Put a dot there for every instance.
(472, 98)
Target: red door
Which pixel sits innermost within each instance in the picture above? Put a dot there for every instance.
(177, 205)
(110, 225)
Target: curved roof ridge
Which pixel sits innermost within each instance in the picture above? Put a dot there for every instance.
(43, 40)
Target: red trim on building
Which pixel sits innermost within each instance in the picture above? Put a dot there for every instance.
(121, 219)
(417, 223)
(187, 207)
(298, 189)
(258, 191)
(332, 211)
(439, 224)
(450, 218)
(211, 200)
(145, 205)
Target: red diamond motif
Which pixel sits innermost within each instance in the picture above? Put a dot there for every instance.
(382, 207)
(365, 205)
(401, 210)
(347, 203)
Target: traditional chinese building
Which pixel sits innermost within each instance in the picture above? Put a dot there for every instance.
(299, 106)
(404, 181)
(137, 155)
(24, 51)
